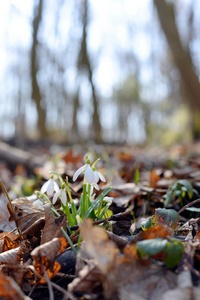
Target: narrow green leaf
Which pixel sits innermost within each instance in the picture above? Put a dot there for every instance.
(137, 176)
(95, 203)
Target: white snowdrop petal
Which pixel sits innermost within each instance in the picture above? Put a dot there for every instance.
(96, 186)
(44, 187)
(63, 197)
(108, 199)
(89, 174)
(50, 187)
(38, 204)
(78, 172)
(55, 197)
(96, 176)
(101, 177)
(56, 187)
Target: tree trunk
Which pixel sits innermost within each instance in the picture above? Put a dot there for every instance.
(84, 62)
(75, 134)
(36, 94)
(181, 57)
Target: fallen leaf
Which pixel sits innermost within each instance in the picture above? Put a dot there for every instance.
(29, 218)
(44, 256)
(52, 225)
(9, 289)
(154, 178)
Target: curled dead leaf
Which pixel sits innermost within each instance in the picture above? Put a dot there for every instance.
(44, 256)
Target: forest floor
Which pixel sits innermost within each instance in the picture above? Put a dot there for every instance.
(143, 242)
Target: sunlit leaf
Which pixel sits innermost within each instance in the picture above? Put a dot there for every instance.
(146, 224)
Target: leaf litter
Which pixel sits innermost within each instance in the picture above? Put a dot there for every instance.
(147, 249)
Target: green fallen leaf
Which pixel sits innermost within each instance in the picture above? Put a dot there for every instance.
(173, 251)
(169, 217)
(150, 247)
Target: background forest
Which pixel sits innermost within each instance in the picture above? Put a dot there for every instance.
(110, 71)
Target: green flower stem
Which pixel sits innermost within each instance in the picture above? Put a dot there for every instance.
(39, 195)
(73, 207)
(12, 209)
(88, 203)
(59, 177)
(84, 200)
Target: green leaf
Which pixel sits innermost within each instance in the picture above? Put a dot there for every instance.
(146, 224)
(167, 216)
(150, 247)
(194, 209)
(95, 203)
(173, 251)
(188, 186)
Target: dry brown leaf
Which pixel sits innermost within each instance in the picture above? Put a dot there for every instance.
(98, 245)
(52, 225)
(45, 254)
(160, 231)
(10, 257)
(69, 157)
(9, 290)
(124, 275)
(8, 244)
(154, 178)
(185, 289)
(29, 218)
(90, 279)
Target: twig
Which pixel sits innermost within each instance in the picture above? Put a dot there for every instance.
(65, 293)
(12, 209)
(51, 295)
(111, 218)
(187, 205)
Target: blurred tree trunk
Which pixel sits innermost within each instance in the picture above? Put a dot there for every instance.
(182, 59)
(75, 133)
(84, 62)
(36, 94)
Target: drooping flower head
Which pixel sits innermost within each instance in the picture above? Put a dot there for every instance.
(61, 193)
(49, 187)
(91, 175)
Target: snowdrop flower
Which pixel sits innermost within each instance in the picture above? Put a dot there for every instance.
(49, 187)
(60, 194)
(38, 204)
(88, 173)
(92, 176)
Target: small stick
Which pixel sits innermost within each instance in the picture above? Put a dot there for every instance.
(187, 205)
(12, 209)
